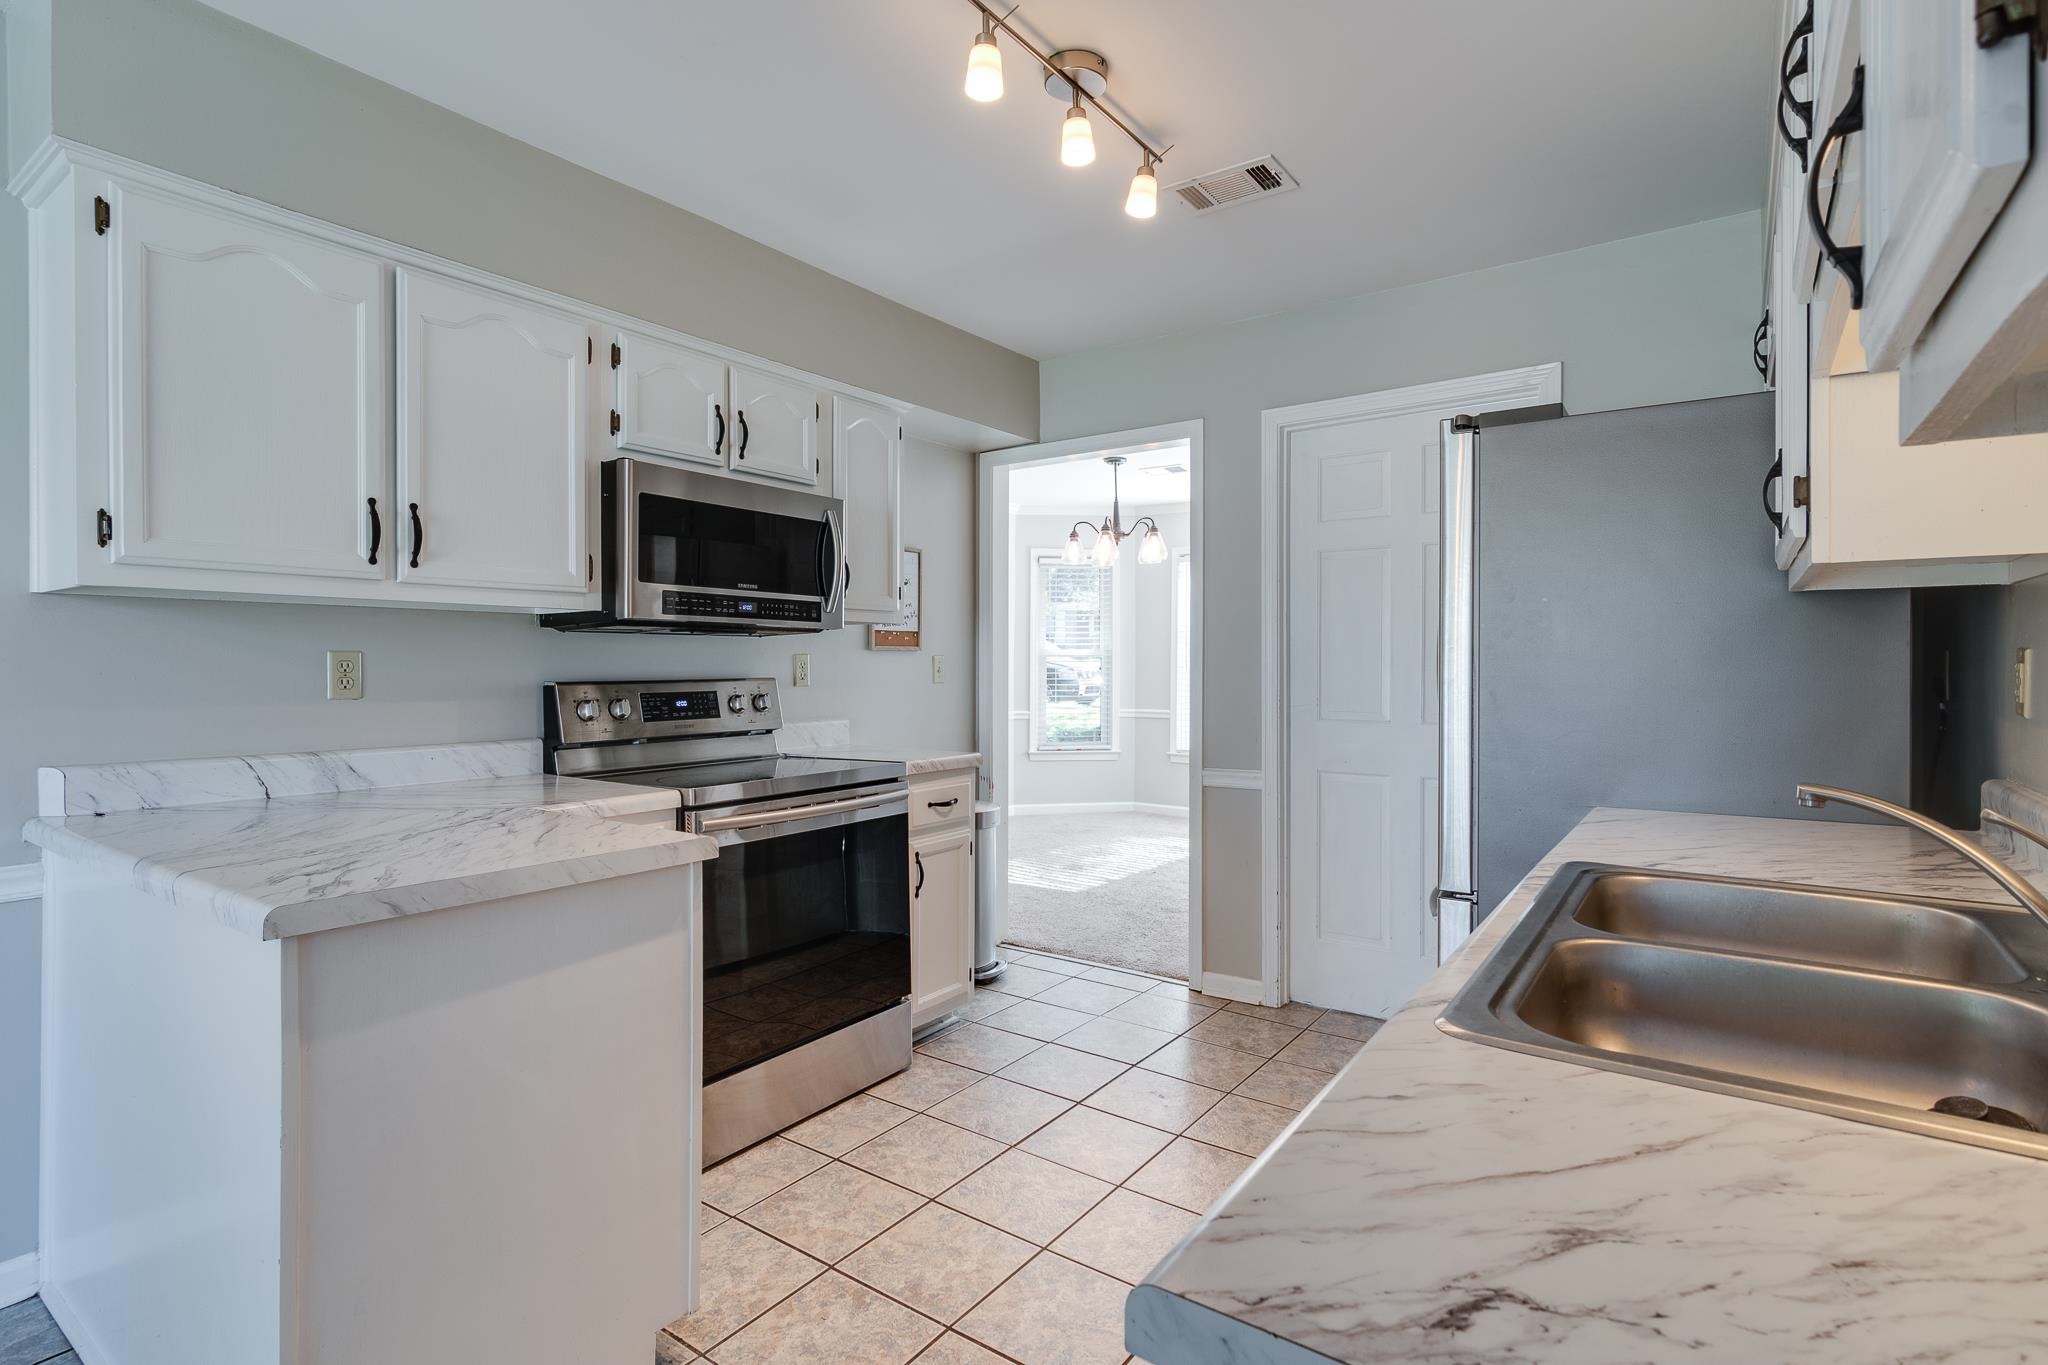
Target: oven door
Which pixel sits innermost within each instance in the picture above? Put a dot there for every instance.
(712, 553)
(806, 921)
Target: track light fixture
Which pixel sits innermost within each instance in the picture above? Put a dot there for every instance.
(1077, 78)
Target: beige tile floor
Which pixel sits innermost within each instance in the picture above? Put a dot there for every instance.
(996, 1201)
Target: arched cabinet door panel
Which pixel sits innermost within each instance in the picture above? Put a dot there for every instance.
(777, 426)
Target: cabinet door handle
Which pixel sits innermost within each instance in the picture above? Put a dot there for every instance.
(946, 804)
(1777, 472)
(376, 530)
(1791, 68)
(718, 440)
(918, 890)
(1760, 347)
(419, 535)
(742, 416)
(1846, 259)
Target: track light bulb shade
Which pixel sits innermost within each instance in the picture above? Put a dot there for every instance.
(984, 69)
(1143, 200)
(1077, 139)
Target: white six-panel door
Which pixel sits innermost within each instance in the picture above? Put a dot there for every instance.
(1361, 729)
(251, 395)
(777, 426)
(492, 433)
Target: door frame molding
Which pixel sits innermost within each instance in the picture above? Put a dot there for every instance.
(992, 670)
(1500, 389)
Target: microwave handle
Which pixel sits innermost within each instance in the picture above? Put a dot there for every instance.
(831, 577)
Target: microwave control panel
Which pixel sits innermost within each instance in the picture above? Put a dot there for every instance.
(728, 607)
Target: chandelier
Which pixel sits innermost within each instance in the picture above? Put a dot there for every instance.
(1110, 536)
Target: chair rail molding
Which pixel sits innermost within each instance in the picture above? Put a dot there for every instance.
(21, 882)
(1240, 779)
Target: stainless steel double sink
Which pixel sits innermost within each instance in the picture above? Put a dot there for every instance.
(1917, 1013)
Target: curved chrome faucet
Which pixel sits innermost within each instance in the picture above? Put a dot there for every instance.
(2021, 890)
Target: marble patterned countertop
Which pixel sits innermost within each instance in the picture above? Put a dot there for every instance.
(920, 761)
(285, 844)
(1449, 1201)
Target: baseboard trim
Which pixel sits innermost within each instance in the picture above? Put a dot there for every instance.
(1096, 808)
(1239, 779)
(21, 882)
(84, 1342)
(19, 1279)
(1242, 988)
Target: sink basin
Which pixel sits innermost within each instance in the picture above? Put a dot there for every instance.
(1845, 928)
(1925, 1015)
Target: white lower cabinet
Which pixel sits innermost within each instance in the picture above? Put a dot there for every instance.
(867, 452)
(492, 428)
(941, 913)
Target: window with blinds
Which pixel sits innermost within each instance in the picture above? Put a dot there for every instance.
(1073, 702)
(1183, 651)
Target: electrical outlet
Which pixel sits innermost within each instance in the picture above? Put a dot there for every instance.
(938, 668)
(344, 675)
(800, 672)
(2023, 684)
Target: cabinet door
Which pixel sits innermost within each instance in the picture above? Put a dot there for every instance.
(1791, 373)
(251, 393)
(777, 422)
(941, 923)
(1946, 134)
(491, 480)
(671, 401)
(867, 453)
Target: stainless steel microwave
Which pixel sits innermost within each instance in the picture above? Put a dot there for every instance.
(701, 554)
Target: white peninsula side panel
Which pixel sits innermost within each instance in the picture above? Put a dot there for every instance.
(388, 1142)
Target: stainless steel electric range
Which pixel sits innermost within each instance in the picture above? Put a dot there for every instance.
(806, 908)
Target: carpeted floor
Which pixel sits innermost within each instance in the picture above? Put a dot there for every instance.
(1107, 888)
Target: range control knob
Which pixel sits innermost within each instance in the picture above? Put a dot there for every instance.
(586, 710)
(759, 701)
(620, 709)
(734, 704)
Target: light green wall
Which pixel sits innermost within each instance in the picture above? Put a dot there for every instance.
(185, 88)
(1652, 319)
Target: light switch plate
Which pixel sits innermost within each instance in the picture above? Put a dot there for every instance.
(344, 675)
(938, 668)
(2023, 684)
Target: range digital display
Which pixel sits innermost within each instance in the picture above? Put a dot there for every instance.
(658, 706)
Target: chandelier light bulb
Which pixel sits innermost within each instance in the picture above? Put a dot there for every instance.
(1077, 139)
(1152, 549)
(1074, 553)
(985, 67)
(1143, 200)
(1105, 548)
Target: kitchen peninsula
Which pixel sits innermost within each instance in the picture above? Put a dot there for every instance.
(357, 1056)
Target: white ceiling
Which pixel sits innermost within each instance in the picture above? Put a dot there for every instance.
(1430, 137)
(1155, 477)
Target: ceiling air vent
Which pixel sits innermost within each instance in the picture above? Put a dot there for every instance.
(1234, 185)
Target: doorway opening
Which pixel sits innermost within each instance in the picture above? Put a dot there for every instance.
(1091, 698)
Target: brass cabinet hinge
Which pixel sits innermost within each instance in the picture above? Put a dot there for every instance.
(616, 356)
(102, 216)
(103, 523)
(590, 568)
(615, 421)
(1801, 486)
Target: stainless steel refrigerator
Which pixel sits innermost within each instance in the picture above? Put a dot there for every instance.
(1615, 634)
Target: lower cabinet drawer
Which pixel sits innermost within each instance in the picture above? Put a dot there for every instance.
(942, 801)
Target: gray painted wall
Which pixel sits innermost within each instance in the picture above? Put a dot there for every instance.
(1653, 319)
(94, 679)
(1981, 628)
(1636, 648)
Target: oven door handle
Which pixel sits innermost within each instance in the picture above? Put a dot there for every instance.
(745, 825)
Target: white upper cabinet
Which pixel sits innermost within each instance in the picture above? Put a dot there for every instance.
(1945, 138)
(775, 424)
(492, 426)
(867, 446)
(250, 395)
(670, 401)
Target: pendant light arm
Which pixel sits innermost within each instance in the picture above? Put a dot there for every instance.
(1002, 21)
